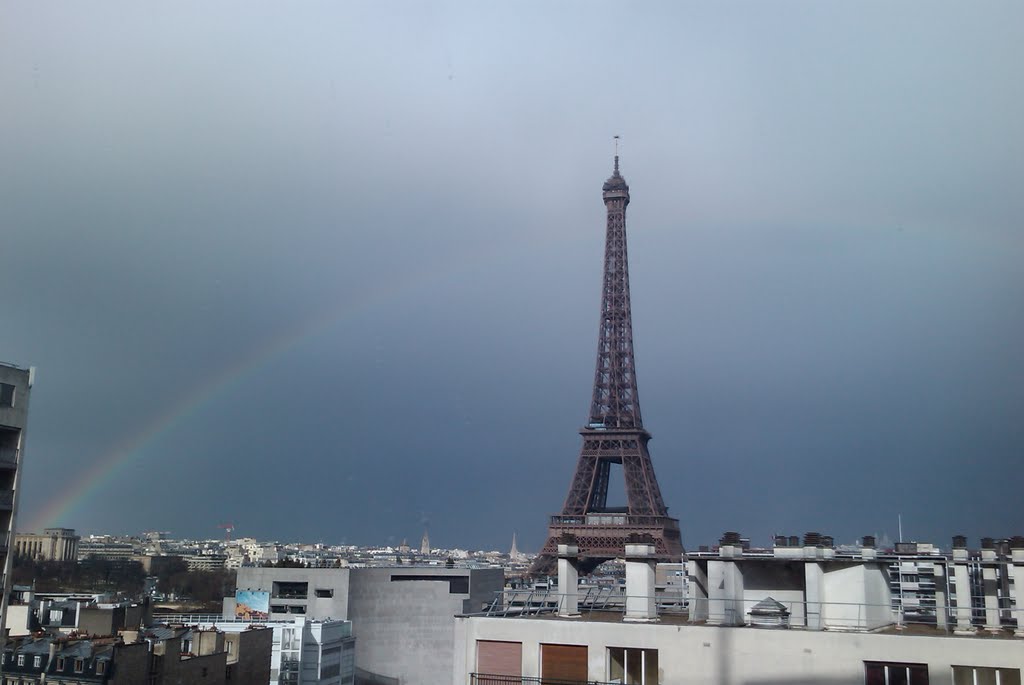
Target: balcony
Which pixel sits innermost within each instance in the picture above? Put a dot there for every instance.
(8, 458)
(492, 679)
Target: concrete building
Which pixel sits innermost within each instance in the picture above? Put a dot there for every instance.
(829, 628)
(53, 544)
(402, 617)
(106, 548)
(15, 388)
(63, 614)
(304, 651)
(205, 562)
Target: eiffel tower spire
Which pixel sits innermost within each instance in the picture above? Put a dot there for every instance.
(614, 434)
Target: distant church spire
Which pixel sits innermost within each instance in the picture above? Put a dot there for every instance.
(513, 554)
(425, 543)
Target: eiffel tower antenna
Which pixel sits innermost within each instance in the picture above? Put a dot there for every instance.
(614, 434)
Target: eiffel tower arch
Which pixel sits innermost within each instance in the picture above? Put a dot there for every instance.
(614, 434)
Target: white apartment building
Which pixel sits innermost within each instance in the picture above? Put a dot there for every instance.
(800, 616)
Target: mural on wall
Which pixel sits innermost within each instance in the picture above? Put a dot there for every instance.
(251, 605)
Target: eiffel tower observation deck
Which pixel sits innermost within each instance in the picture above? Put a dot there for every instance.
(614, 434)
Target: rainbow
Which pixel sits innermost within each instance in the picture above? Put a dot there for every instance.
(131, 448)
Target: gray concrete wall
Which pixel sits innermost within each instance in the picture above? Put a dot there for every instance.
(404, 628)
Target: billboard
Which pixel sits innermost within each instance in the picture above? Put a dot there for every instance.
(252, 605)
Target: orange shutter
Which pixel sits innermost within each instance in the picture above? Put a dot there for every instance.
(564, 662)
(499, 658)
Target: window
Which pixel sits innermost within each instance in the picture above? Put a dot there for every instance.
(284, 590)
(6, 395)
(21, 659)
(884, 673)
(457, 584)
(278, 609)
(79, 665)
(101, 667)
(984, 675)
(37, 661)
(288, 641)
(324, 592)
(296, 609)
(60, 663)
(633, 666)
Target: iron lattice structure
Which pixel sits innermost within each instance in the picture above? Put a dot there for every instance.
(615, 432)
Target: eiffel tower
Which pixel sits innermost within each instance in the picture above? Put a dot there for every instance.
(615, 433)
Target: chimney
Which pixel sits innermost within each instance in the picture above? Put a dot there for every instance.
(568, 577)
(867, 547)
(787, 547)
(962, 578)
(1017, 549)
(1016, 568)
(640, 563)
(990, 584)
(960, 548)
(730, 545)
(812, 545)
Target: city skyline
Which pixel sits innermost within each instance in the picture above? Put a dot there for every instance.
(317, 271)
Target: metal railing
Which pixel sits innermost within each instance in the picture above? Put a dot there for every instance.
(800, 614)
(195, 619)
(598, 520)
(493, 679)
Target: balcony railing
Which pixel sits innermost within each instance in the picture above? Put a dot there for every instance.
(605, 519)
(492, 679)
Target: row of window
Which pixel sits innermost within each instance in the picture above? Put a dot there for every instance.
(498, 661)
(881, 673)
(37, 662)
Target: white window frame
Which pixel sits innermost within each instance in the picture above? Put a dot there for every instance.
(625, 662)
(999, 672)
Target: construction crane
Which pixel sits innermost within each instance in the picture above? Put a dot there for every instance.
(228, 527)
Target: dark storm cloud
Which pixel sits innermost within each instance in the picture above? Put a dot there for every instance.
(825, 240)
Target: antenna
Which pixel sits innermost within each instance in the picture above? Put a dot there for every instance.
(616, 138)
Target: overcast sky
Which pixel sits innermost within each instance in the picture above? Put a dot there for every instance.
(330, 271)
